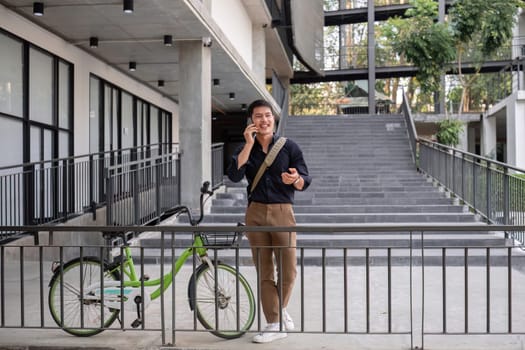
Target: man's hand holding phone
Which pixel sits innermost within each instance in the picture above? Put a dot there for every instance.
(249, 133)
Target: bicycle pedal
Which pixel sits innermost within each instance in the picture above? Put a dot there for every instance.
(136, 323)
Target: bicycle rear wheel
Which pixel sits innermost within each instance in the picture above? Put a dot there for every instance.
(78, 314)
(219, 311)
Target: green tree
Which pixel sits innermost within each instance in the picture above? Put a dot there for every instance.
(448, 131)
(480, 28)
(477, 28)
(318, 98)
(423, 41)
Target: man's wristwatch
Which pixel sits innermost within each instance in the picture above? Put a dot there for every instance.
(296, 181)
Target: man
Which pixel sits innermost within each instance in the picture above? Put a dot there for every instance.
(270, 204)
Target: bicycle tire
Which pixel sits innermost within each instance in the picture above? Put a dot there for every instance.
(201, 293)
(88, 322)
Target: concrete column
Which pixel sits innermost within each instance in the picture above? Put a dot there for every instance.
(488, 137)
(259, 53)
(195, 119)
(371, 59)
(515, 131)
(471, 139)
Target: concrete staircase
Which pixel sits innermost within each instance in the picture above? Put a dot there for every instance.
(363, 173)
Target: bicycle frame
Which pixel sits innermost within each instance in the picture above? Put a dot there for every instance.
(127, 268)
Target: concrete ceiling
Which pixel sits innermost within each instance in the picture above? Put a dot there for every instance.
(139, 37)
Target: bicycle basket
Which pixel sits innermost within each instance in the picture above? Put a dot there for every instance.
(221, 239)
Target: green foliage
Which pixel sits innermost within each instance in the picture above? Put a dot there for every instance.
(427, 44)
(475, 27)
(489, 21)
(316, 98)
(448, 132)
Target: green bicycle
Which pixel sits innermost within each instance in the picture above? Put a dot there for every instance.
(87, 294)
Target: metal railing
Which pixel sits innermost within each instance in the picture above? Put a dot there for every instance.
(326, 108)
(59, 189)
(365, 288)
(139, 192)
(411, 127)
(506, 81)
(493, 189)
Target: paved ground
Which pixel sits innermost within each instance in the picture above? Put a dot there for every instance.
(308, 316)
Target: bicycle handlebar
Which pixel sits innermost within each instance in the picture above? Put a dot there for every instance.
(205, 190)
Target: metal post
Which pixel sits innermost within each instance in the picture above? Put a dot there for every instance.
(506, 178)
(487, 189)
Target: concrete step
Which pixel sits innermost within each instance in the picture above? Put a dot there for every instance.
(371, 201)
(350, 218)
(356, 209)
(352, 242)
(355, 246)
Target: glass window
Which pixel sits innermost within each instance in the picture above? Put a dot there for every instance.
(94, 118)
(48, 145)
(154, 125)
(127, 120)
(35, 144)
(40, 86)
(140, 139)
(11, 139)
(115, 105)
(63, 144)
(64, 99)
(11, 89)
(108, 113)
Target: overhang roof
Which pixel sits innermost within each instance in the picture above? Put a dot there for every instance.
(139, 37)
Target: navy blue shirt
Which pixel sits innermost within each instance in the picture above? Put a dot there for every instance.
(270, 188)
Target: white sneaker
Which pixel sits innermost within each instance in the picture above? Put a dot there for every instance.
(269, 334)
(287, 321)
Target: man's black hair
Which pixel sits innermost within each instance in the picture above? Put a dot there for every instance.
(259, 103)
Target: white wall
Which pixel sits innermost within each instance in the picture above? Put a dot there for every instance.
(235, 23)
(84, 64)
(488, 137)
(516, 130)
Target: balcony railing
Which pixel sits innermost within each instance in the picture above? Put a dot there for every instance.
(139, 192)
(59, 189)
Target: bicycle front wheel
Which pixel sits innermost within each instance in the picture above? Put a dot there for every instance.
(226, 313)
(77, 313)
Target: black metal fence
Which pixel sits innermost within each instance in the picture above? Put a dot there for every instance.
(495, 190)
(59, 189)
(217, 165)
(144, 182)
(413, 291)
(139, 192)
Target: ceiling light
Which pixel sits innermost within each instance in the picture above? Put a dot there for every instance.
(128, 6)
(132, 66)
(216, 82)
(160, 83)
(168, 40)
(243, 107)
(232, 96)
(38, 8)
(93, 42)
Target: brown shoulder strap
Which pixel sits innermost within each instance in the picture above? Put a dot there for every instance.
(270, 157)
